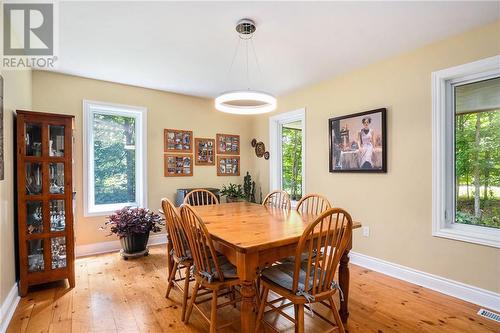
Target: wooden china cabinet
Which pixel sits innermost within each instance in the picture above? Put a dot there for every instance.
(44, 144)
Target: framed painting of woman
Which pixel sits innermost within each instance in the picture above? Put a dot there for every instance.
(358, 142)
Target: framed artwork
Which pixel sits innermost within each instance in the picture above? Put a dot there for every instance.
(358, 142)
(228, 144)
(205, 151)
(178, 141)
(228, 165)
(176, 165)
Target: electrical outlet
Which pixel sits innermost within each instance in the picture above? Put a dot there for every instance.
(366, 231)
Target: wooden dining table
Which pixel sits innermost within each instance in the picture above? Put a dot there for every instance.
(253, 237)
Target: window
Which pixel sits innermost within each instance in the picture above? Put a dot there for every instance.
(287, 153)
(466, 152)
(115, 157)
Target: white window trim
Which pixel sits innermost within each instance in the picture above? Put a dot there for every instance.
(275, 122)
(140, 113)
(443, 159)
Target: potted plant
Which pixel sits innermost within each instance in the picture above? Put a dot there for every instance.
(133, 226)
(232, 192)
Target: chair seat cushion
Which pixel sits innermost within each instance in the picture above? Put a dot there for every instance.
(282, 275)
(303, 257)
(228, 270)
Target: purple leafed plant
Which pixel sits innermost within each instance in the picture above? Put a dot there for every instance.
(129, 221)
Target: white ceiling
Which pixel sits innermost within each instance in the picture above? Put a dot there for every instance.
(188, 47)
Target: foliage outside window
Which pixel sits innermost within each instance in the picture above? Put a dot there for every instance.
(477, 153)
(292, 161)
(114, 151)
(114, 159)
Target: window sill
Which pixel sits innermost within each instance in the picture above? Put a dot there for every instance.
(106, 210)
(471, 234)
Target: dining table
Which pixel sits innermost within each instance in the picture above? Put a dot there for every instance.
(253, 237)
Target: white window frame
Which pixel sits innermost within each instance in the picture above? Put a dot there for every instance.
(140, 115)
(443, 152)
(275, 126)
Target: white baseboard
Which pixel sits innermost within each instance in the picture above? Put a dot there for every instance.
(486, 298)
(8, 307)
(113, 246)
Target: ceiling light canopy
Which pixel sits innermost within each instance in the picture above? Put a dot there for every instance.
(248, 101)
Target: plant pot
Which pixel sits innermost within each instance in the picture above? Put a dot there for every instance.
(232, 199)
(134, 243)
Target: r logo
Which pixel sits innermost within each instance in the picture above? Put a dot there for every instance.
(28, 29)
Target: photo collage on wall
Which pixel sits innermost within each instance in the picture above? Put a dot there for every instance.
(228, 144)
(205, 151)
(179, 159)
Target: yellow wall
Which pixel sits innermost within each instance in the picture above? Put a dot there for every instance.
(17, 95)
(397, 205)
(64, 94)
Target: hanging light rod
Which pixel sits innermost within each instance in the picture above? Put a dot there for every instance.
(246, 102)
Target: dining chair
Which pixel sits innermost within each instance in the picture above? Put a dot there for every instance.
(278, 199)
(314, 204)
(201, 197)
(215, 275)
(180, 253)
(304, 283)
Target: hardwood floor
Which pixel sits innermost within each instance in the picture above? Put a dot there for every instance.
(113, 295)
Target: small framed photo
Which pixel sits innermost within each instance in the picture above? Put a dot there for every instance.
(178, 165)
(358, 142)
(205, 151)
(228, 144)
(228, 165)
(178, 141)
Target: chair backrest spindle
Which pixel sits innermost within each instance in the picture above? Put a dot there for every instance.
(201, 197)
(314, 204)
(278, 199)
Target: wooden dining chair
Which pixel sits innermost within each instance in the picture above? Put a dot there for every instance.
(312, 281)
(279, 199)
(201, 197)
(314, 204)
(180, 253)
(216, 275)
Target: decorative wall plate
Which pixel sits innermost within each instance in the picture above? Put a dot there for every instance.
(266, 155)
(254, 142)
(260, 149)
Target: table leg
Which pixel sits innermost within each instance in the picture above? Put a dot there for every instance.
(247, 265)
(247, 306)
(344, 283)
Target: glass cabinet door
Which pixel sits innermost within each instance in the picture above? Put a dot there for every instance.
(57, 215)
(33, 139)
(58, 252)
(33, 178)
(35, 255)
(56, 140)
(56, 178)
(34, 217)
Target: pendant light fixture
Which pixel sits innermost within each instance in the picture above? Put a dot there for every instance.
(245, 101)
